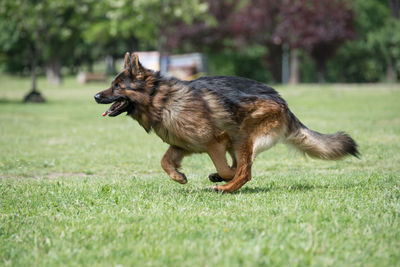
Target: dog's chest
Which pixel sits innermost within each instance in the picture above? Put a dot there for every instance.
(168, 134)
(181, 131)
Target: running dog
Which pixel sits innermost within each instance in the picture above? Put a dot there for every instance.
(215, 115)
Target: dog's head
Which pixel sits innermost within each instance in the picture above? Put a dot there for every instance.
(129, 89)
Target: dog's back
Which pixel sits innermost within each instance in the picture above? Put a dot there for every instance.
(235, 91)
(259, 110)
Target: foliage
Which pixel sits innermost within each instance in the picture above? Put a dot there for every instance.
(239, 35)
(51, 27)
(245, 64)
(78, 33)
(206, 35)
(356, 61)
(317, 26)
(126, 22)
(309, 24)
(386, 42)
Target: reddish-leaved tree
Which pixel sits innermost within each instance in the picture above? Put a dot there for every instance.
(317, 26)
(210, 34)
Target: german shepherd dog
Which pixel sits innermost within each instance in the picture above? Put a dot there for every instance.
(215, 115)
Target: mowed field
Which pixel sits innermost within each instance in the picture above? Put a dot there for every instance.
(80, 189)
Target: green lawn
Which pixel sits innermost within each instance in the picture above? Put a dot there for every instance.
(80, 189)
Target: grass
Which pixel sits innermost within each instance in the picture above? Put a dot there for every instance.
(79, 189)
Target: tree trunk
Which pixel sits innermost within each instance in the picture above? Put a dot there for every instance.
(321, 71)
(53, 72)
(294, 77)
(162, 39)
(391, 75)
(110, 70)
(274, 62)
(34, 72)
(113, 65)
(285, 63)
(394, 6)
(34, 95)
(161, 50)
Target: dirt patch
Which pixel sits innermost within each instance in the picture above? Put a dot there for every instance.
(52, 175)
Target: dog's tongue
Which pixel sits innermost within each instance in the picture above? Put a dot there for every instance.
(113, 107)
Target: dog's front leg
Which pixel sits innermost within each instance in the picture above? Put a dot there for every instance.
(171, 162)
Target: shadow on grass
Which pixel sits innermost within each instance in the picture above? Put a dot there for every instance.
(297, 187)
(245, 190)
(11, 101)
(290, 188)
(8, 101)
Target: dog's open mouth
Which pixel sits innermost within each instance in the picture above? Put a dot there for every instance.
(117, 108)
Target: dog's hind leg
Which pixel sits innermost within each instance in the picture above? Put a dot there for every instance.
(171, 162)
(217, 153)
(244, 156)
(233, 156)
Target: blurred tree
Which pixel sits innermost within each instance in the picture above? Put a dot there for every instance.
(253, 26)
(212, 34)
(139, 24)
(386, 41)
(394, 6)
(104, 36)
(242, 37)
(49, 30)
(19, 22)
(356, 60)
(239, 33)
(13, 46)
(363, 59)
(317, 26)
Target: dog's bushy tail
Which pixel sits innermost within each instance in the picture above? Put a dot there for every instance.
(317, 145)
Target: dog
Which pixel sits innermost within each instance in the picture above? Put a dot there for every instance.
(215, 115)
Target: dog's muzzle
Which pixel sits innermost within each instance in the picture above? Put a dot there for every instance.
(100, 99)
(97, 97)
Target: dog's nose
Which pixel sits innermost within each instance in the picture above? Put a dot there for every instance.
(97, 97)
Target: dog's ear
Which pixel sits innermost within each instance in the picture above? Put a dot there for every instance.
(137, 68)
(127, 60)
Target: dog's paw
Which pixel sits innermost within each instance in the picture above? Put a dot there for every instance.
(218, 189)
(215, 178)
(180, 178)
